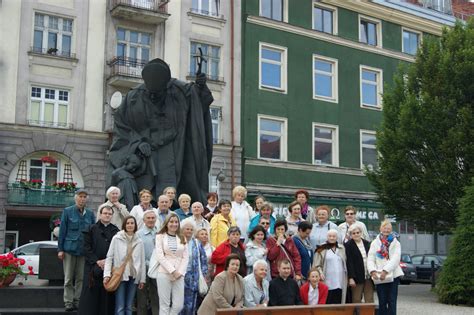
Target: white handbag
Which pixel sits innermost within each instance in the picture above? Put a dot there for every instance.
(154, 264)
(202, 285)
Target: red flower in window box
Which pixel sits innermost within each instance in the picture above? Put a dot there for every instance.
(48, 159)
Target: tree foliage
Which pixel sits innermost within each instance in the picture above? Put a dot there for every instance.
(456, 281)
(426, 139)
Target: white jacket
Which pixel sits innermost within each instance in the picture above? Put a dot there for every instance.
(392, 264)
(118, 252)
(242, 213)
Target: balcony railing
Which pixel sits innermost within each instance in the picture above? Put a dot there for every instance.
(39, 197)
(208, 13)
(125, 66)
(50, 124)
(210, 77)
(151, 5)
(52, 52)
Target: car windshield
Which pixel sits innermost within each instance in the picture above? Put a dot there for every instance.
(406, 258)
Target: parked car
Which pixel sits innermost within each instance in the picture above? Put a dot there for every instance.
(423, 265)
(30, 253)
(409, 270)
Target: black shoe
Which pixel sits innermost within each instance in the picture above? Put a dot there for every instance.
(69, 308)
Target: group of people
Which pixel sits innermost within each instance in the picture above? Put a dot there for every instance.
(185, 258)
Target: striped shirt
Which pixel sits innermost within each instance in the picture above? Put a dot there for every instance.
(172, 243)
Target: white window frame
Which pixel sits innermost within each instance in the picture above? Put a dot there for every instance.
(283, 64)
(216, 77)
(317, 4)
(60, 32)
(334, 141)
(361, 145)
(42, 99)
(43, 168)
(420, 36)
(137, 69)
(283, 136)
(218, 123)
(285, 10)
(378, 28)
(379, 85)
(198, 10)
(334, 75)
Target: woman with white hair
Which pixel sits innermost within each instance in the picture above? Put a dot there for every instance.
(241, 211)
(256, 285)
(383, 264)
(120, 210)
(330, 260)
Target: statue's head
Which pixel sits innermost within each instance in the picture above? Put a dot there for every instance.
(156, 75)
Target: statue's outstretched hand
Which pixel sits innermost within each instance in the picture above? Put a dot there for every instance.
(145, 149)
(201, 79)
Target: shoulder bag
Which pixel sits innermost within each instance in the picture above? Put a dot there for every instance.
(117, 273)
(154, 263)
(203, 288)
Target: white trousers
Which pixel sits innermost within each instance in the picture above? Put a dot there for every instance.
(170, 292)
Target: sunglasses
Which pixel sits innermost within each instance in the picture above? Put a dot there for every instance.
(349, 213)
(265, 223)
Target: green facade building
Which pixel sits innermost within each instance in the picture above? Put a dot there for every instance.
(312, 77)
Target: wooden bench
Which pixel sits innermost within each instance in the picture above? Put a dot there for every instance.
(332, 309)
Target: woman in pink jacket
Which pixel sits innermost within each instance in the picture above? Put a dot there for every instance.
(172, 254)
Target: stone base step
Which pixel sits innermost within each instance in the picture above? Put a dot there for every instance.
(32, 298)
(34, 311)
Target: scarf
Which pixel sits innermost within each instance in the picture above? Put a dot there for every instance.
(327, 246)
(305, 242)
(133, 272)
(385, 242)
(304, 210)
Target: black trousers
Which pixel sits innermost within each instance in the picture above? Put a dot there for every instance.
(334, 296)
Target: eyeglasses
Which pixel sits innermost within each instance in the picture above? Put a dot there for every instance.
(349, 213)
(265, 223)
(355, 233)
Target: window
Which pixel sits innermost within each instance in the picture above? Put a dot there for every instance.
(52, 35)
(324, 19)
(272, 138)
(325, 145)
(216, 117)
(370, 87)
(325, 78)
(48, 173)
(49, 107)
(210, 66)
(272, 9)
(416, 260)
(133, 49)
(205, 7)
(370, 31)
(410, 42)
(273, 67)
(368, 150)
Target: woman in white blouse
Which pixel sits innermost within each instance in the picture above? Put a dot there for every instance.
(145, 204)
(241, 211)
(172, 253)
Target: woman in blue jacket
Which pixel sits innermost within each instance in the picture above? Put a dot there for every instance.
(301, 240)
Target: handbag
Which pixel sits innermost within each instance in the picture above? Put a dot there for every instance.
(117, 273)
(154, 264)
(202, 284)
(388, 278)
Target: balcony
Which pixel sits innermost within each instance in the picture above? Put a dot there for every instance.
(125, 72)
(143, 11)
(39, 197)
(50, 124)
(52, 52)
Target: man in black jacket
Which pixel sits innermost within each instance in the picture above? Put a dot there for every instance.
(283, 289)
(97, 238)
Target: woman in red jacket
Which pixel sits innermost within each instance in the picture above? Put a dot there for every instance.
(313, 292)
(233, 245)
(281, 246)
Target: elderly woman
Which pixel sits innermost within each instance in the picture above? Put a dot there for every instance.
(197, 219)
(383, 264)
(255, 248)
(321, 227)
(266, 211)
(221, 223)
(232, 246)
(197, 265)
(184, 210)
(241, 211)
(227, 289)
(170, 192)
(120, 210)
(314, 292)
(307, 213)
(281, 246)
(350, 214)
(304, 247)
(294, 217)
(357, 250)
(145, 204)
(256, 285)
(330, 260)
(202, 234)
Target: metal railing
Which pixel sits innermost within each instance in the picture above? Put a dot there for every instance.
(38, 197)
(150, 5)
(208, 13)
(50, 124)
(125, 66)
(210, 77)
(52, 52)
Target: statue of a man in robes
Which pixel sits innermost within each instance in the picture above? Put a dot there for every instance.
(164, 123)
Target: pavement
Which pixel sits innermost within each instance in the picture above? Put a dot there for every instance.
(417, 298)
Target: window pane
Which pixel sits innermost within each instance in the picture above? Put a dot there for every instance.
(414, 43)
(35, 92)
(145, 54)
(271, 75)
(36, 163)
(214, 7)
(214, 69)
(66, 50)
(369, 94)
(372, 34)
(121, 50)
(363, 31)
(134, 37)
(215, 52)
(324, 133)
(35, 111)
(327, 19)
(67, 25)
(39, 20)
(195, 5)
(266, 8)
(30, 249)
(369, 157)
(145, 39)
(270, 125)
(318, 19)
(323, 85)
(277, 10)
(271, 54)
(51, 176)
(322, 153)
(323, 66)
(53, 22)
(49, 94)
(62, 115)
(52, 40)
(368, 139)
(38, 41)
(120, 34)
(270, 146)
(48, 112)
(205, 6)
(133, 53)
(63, 95)
(369, 76)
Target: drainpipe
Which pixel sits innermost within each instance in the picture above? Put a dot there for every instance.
(232, 127)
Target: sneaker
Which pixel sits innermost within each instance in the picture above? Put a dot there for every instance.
(69, 308)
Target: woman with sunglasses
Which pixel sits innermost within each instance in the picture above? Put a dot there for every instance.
(350, 213)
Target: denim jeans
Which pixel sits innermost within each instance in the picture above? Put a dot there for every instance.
(387, 294)
(124, 297)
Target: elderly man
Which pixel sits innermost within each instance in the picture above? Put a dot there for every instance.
(163, 210)
(197, 219)
(256, 285)
(94, 299)
(74, 220)
(149, 292)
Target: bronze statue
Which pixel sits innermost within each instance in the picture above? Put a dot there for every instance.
(164, 124)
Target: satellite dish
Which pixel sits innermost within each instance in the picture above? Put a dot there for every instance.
(116, 100)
